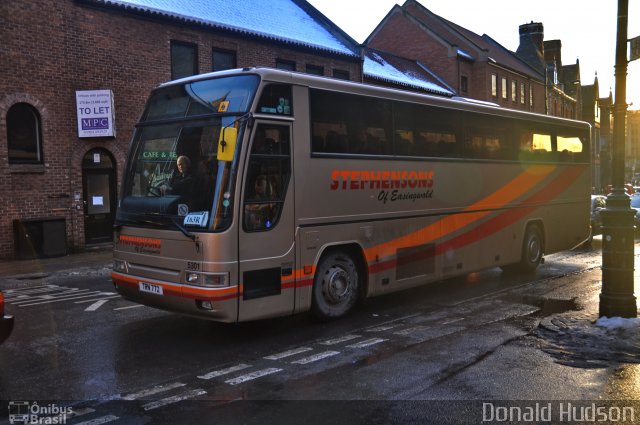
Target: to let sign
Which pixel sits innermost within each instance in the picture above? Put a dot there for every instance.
(95, 113)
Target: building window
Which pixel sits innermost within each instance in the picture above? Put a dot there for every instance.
(504, 89)
(514, 91)
(285, 64)
(24, 134)
(464, 84)
(494, 85)
(531, 97)
(223, 59)
(523, 91)
(341, 74)
(184, 59)
(315, 70)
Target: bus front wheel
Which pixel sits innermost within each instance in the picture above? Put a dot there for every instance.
(335, 286)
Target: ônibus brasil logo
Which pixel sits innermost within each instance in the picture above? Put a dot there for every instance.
(27, 412)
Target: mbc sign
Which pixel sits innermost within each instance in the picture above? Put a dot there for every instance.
(101, 123)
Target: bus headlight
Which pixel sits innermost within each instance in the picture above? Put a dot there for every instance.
(119, 266)
(209, 280)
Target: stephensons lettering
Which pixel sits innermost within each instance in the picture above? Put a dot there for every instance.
(387, 179)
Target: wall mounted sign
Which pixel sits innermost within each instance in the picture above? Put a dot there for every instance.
(635, 48)
(96, 117)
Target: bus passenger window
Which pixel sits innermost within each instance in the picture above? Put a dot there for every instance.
(569, 149)
(335, 143)
(535, 147)
(493, 148)
(473, 148)
(403, 142)
(364, 142)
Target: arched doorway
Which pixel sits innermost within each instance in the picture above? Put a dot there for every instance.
(99, 190)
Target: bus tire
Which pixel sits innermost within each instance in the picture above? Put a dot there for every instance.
(532, 251)
(336, 285)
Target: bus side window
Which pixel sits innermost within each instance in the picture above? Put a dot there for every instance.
(542, 147)
(335, 143)
(403, 142)
(569, 148)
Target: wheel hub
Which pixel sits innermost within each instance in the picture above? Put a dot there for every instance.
(336, 285)
(534, 249)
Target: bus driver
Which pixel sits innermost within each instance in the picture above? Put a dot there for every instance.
(181, 182)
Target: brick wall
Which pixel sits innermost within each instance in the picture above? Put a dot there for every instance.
(51, 49)
(402, 36)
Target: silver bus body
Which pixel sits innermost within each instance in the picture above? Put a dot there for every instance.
(351, 215)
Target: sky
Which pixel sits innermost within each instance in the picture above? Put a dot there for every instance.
(587, 28)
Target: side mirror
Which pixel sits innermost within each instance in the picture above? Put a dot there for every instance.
(227, 143)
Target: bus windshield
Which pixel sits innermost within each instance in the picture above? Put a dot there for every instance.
(174, 178)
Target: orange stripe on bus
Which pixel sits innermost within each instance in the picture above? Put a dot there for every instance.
(519, 186)
(500, 221)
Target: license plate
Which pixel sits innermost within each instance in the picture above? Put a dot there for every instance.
(152, 289)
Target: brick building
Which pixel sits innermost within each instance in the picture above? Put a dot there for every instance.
(479, 67)
(58, 191)
(475, 66)
(59, 180)
(564, 85)
(598, 111)
(591, 112)
(632, 146)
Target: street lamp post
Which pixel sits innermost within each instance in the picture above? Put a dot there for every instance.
(617, 297)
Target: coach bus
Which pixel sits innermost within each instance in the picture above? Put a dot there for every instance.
(302, 193)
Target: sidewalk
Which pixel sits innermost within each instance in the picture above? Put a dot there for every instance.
(93, 258)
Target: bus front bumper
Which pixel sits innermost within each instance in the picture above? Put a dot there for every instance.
(219, 304)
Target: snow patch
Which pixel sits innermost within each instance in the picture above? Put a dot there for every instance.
(277, 19)
(619, 323)
(380, 68)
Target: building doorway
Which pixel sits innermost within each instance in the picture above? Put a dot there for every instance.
(99, 190)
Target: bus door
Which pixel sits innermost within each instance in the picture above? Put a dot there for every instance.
(267, 225)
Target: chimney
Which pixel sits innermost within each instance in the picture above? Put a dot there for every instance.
(531, 48)
(553, 52)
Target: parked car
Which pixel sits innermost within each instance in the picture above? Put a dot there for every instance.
(635, 204)
(598, 202)
(6, 322)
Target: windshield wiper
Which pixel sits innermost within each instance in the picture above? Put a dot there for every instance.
(183, 230)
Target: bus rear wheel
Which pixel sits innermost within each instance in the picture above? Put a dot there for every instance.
(335, 286)
(532, 251)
